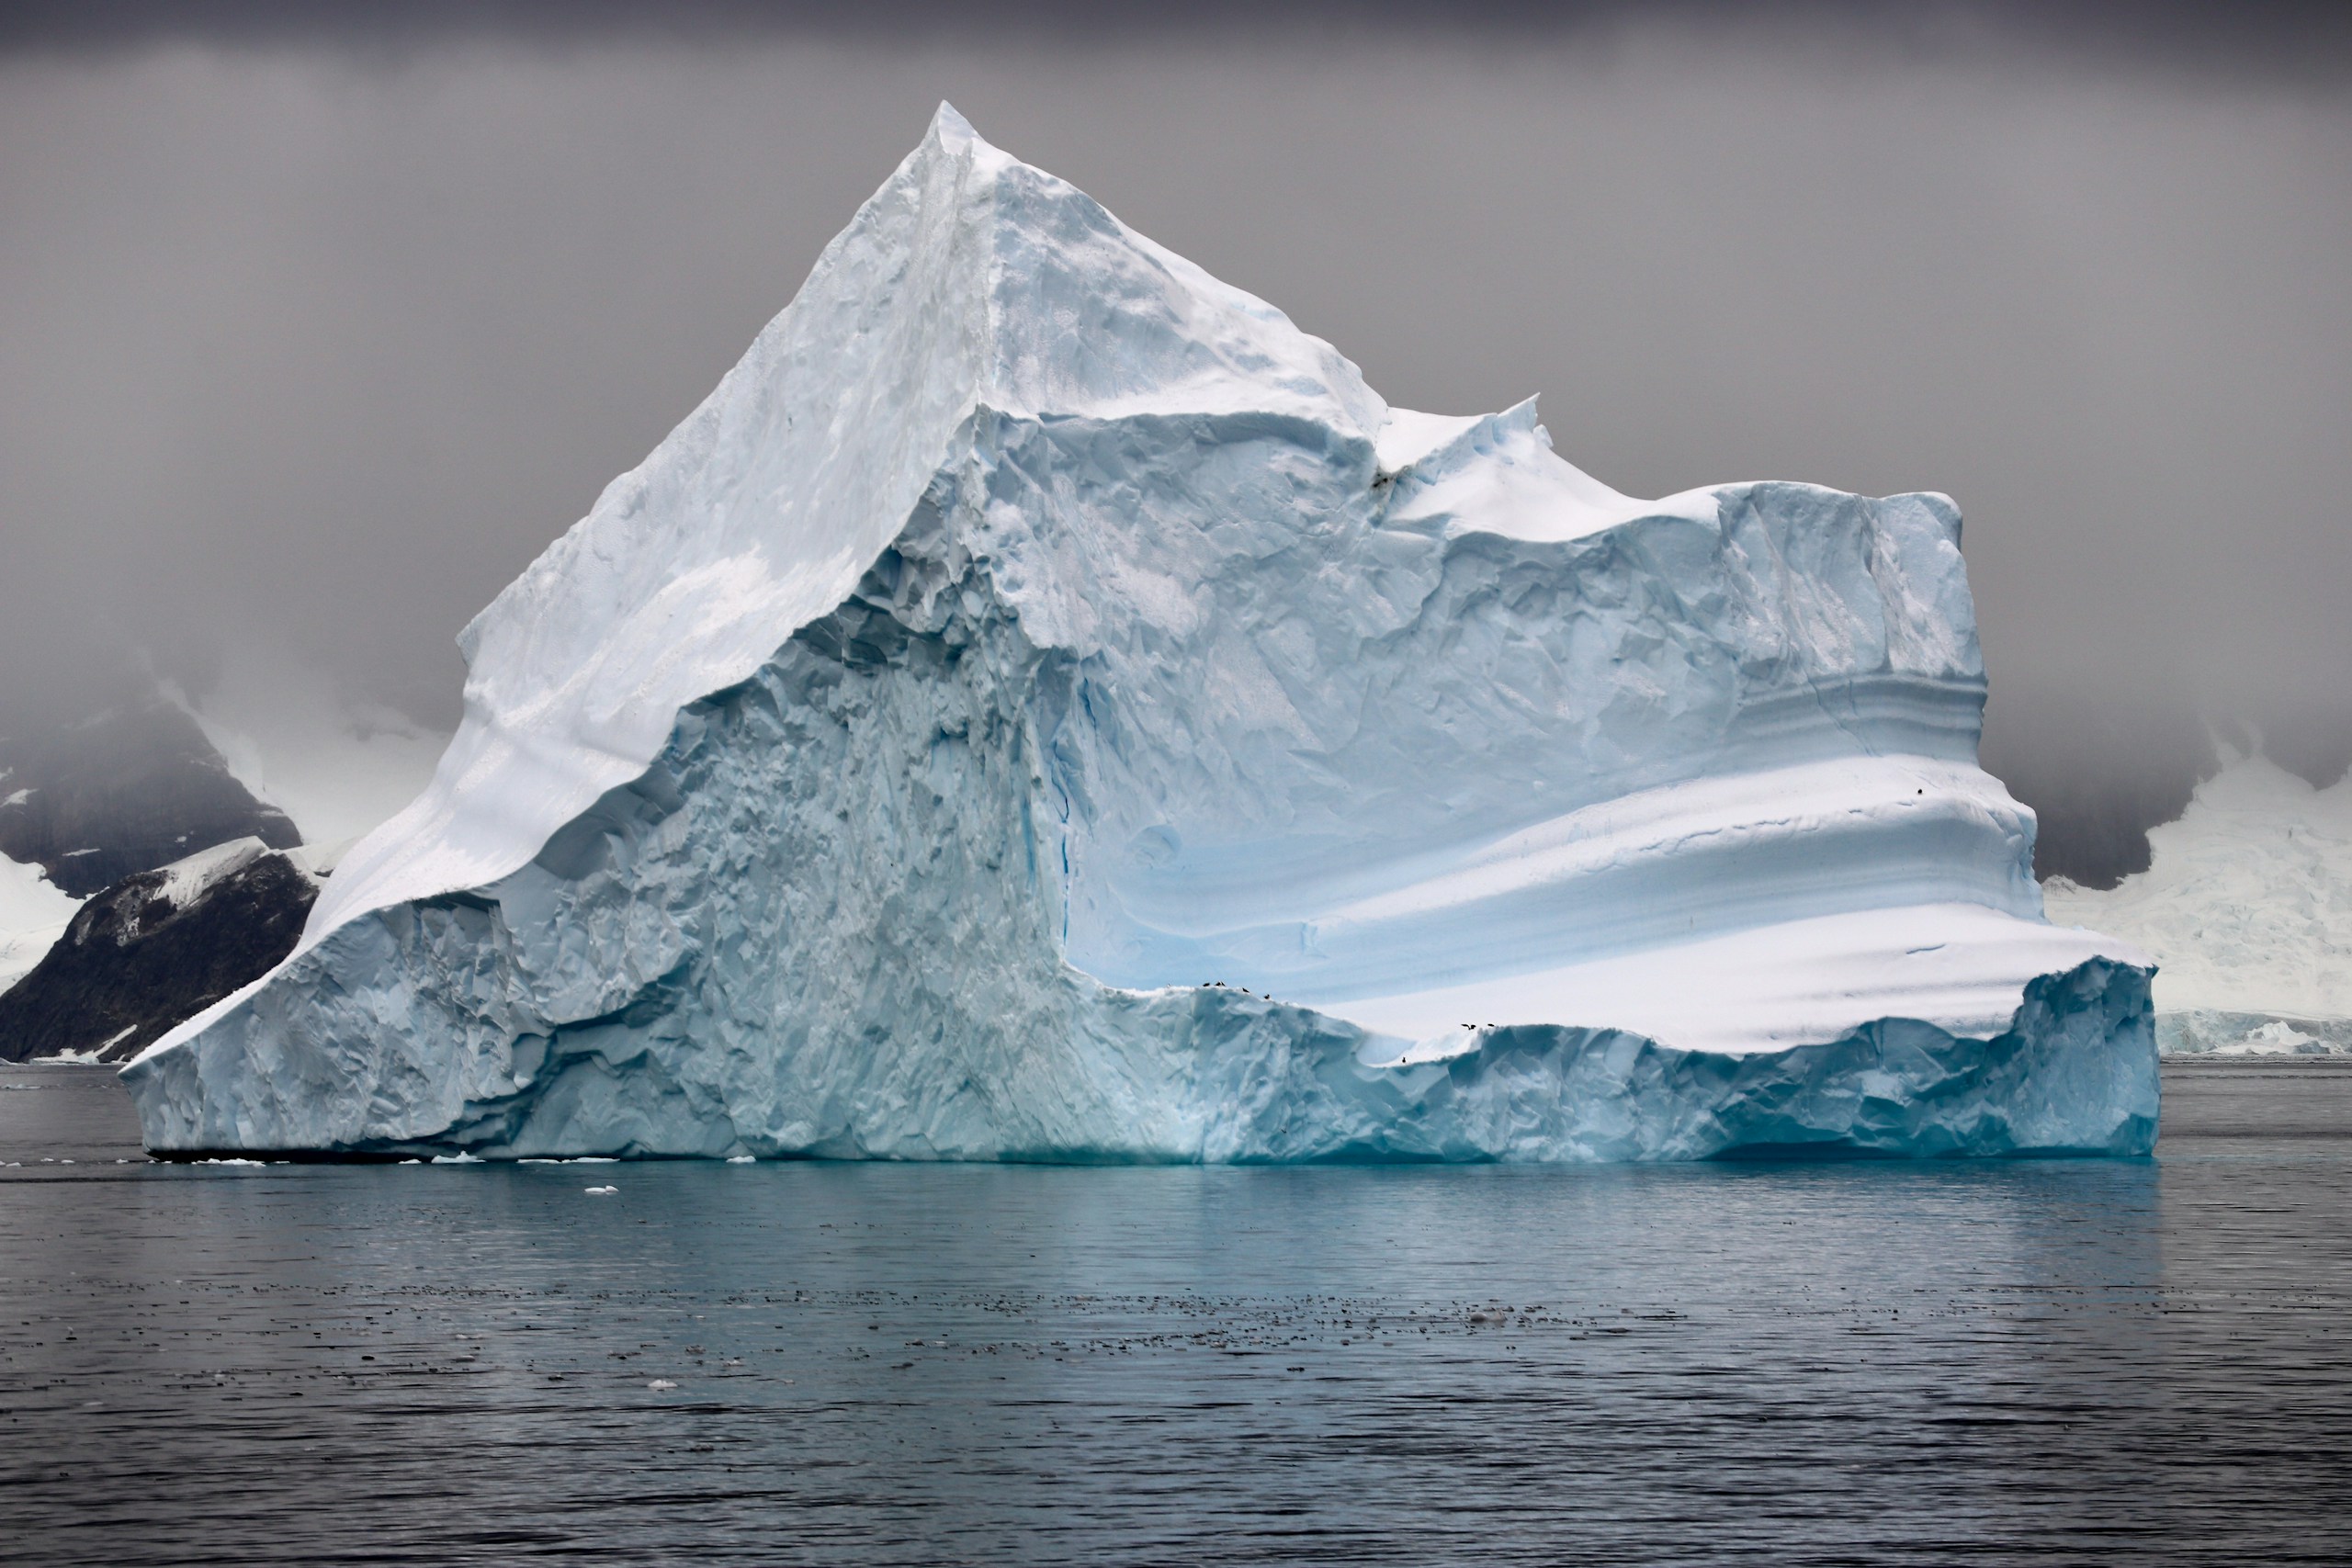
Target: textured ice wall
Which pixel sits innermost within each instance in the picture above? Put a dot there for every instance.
(1037, 656)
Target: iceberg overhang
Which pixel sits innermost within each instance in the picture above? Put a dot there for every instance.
(1045, 705)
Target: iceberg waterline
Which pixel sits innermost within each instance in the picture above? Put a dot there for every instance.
(1045, 705)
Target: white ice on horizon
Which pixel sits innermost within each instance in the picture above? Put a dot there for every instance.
(289, 734)
(1043, 704)
(2245, 906)
(34, 912)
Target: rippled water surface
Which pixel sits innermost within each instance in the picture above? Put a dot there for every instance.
(2144, 1361)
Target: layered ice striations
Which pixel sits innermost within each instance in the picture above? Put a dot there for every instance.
(1045, 705)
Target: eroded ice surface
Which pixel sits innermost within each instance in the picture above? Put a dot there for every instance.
(1043, 704)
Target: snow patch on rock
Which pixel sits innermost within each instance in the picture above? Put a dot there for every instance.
(290, 736)
(34, 913)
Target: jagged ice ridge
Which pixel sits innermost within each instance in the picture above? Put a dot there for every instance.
(1043, 705)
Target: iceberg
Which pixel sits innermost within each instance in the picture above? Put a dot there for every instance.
(1045, 705)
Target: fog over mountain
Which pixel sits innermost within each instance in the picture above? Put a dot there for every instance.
(317, 323)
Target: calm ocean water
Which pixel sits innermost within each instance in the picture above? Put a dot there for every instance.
(2143, 1361)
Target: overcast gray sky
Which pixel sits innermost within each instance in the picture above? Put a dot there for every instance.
(313, 331)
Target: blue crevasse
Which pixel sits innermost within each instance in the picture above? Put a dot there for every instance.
(1044, 705)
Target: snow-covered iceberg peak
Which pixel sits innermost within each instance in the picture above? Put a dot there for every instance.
(969, 281)
(1036, 658)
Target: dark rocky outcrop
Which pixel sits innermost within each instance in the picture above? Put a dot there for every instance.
(156, 948)
(133, 787)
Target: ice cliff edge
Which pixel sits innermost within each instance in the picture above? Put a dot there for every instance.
(1043, 705)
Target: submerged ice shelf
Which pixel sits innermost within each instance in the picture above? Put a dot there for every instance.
(1045, 705)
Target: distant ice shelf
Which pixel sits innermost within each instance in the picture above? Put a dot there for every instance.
(1044, 705)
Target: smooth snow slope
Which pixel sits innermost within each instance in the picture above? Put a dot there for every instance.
(1043, 705)
(339, 770)
(2248, 905)
(33, 913)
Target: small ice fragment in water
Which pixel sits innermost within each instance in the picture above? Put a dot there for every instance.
(601, 1192)
(661, 1386)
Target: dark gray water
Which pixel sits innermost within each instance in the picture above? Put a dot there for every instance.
(2143, 1361)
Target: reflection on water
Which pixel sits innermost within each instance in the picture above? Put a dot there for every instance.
(833, 1363)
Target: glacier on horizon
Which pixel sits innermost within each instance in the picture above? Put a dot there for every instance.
(1045, 705)
(2247, 904)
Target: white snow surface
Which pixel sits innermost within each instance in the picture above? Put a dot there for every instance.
(34, 912)
(295, 740)
(1797, 982)
(186, 880)
(2246, 906)
(1045, 705)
